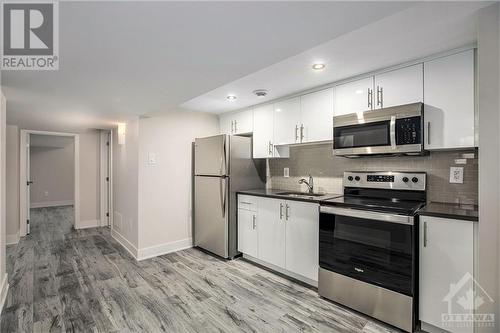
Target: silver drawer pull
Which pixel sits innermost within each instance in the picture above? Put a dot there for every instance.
(425, 234)
(254, 225)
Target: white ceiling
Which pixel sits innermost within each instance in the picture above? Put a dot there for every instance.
(122, 59)
(414, 33)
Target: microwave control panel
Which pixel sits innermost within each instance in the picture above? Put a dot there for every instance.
(408, 131)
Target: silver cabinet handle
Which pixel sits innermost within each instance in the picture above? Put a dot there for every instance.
(296, 133)
(301, 132)
(245, 202)
(428, 132)
(235, 126)
(425, 234)
(232, 126)
(270, 148)
(254, 225)
(281, 211)
(287, 212)
(370, 98)
(380, 96)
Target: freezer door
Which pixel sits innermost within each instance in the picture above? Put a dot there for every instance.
(211, 214)
(210, 157)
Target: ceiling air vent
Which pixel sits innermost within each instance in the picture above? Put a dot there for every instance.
(260, 93)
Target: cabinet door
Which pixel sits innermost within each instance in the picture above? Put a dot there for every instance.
(302, 238)
(287, 121)
(353, 97)
(247, 232)
(316, 111)
(399, 87)
(446, 258)
(225, 123)
(243, 122)
(271, 231)
(449, 101)
(263, 131)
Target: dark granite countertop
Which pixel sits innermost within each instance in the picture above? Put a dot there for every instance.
(451, 211)
(275, 193)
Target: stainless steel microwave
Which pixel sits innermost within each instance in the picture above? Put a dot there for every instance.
(393, 130)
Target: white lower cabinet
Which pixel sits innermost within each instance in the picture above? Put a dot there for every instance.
(271, 231)
(445, 271)
(287, 235)
(302, 239)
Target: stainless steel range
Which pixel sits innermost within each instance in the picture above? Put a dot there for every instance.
(368, 245)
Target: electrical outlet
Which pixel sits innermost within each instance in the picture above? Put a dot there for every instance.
(46, 194)
(457, 175)
(151, 159)
(286, 172)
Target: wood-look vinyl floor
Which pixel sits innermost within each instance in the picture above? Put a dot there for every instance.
(66, 280)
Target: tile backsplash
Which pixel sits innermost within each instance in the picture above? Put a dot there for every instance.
(327, 170)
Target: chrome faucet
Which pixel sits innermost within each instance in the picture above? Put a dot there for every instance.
(310, 183)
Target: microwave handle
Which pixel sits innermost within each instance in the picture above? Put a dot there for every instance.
(392, 132)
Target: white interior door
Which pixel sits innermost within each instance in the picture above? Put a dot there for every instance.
(28, 183)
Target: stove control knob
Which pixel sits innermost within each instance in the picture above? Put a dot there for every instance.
(414, 179)
(357, 178)
(350, 178)
(405, 179)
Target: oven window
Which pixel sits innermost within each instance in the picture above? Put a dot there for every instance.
(376, 252)
(362, 135)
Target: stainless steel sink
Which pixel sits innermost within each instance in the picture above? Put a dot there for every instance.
(300, 194)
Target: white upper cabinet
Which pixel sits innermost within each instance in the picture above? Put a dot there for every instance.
(236, 122)
(302, 238)
(287, 122)
(263, 139)
(317, 116)
(225, 123)
(446, 258)
(352, 97)
(243, 122)
(399, 87)
(449, 101)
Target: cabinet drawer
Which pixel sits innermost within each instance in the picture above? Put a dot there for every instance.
(247, 202)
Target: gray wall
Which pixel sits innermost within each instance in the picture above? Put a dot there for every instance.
(52, 171)
(327, 171)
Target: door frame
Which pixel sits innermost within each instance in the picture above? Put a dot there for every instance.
(106, 137)
(23, 176)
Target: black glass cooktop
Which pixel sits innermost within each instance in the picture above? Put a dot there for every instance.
(392, 205)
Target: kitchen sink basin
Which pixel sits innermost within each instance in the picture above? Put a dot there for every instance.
(300, 194)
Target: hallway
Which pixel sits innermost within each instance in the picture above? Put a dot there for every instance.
(64, 280)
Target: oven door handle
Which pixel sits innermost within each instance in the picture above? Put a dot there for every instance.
(370, 215)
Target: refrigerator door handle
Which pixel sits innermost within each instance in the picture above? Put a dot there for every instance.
(222, 196)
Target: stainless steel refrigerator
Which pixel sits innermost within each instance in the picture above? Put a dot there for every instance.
(223, 165)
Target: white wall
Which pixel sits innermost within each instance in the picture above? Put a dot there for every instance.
(12, 171)
(489, 160)
(3, 272)
(52, 171)
(125, 187)
(89, 178)
(165, 189)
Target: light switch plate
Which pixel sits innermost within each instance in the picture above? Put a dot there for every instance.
(286, 172)
(151, 159)
(456, 175)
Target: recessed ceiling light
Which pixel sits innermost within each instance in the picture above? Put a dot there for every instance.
(231, 97)
(318, 66)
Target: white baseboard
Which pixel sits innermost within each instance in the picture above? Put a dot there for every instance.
(12, 239)
(125, 243)
(282, 270)
(52, 204)
(88, 224)
(158, 250)
(4, 290)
